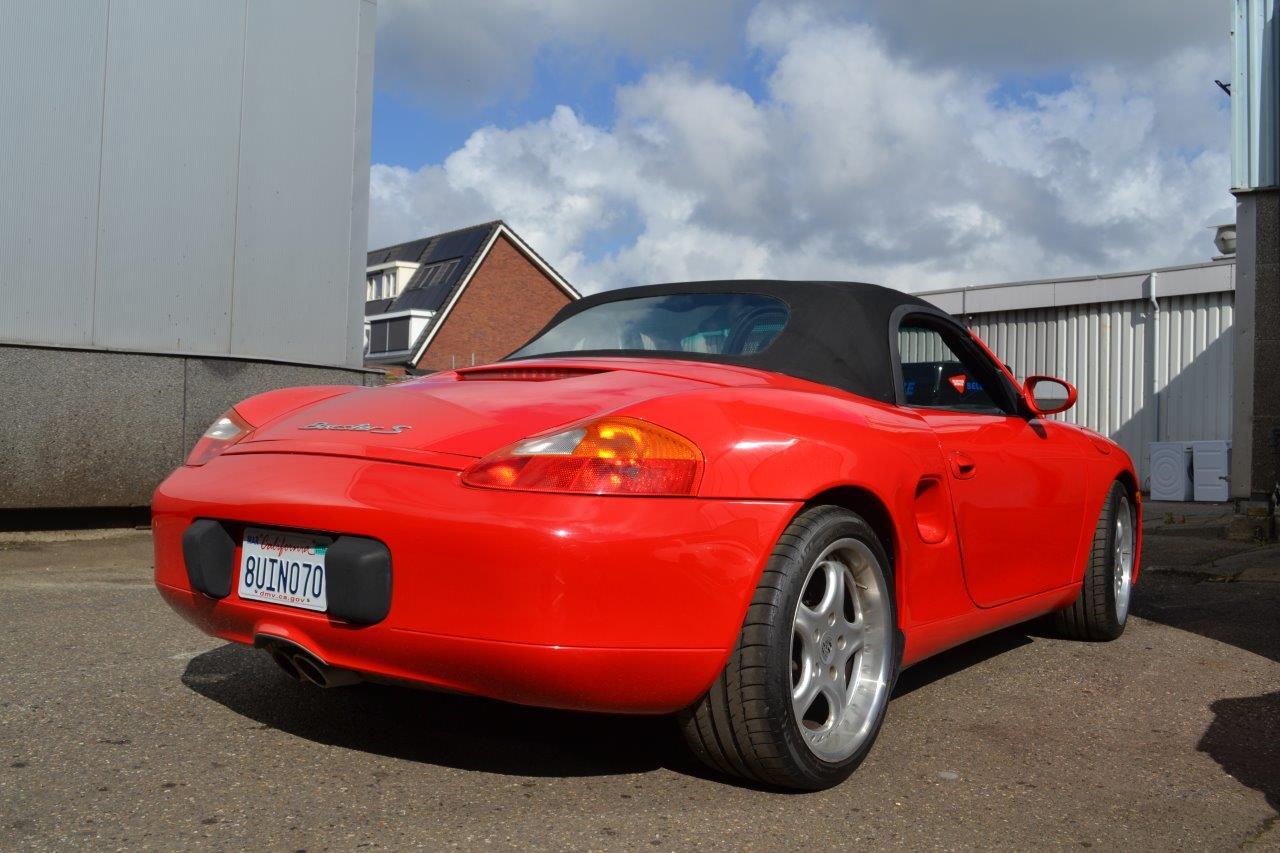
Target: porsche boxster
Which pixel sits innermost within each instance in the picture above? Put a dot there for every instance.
(749, 504)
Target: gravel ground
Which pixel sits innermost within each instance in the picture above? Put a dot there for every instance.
(121, 726)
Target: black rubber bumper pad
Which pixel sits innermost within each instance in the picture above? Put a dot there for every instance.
(358, 573)
(210, 554)
(357, 570)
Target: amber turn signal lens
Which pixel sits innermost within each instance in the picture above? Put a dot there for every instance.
(223, 433)
(608, 456)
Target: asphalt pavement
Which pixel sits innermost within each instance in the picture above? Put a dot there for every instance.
(123, 727)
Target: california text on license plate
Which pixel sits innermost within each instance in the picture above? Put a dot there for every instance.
(284, 568)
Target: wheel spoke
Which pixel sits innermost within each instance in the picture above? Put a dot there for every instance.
(809, 622)
(803, 694)
(808, 660)
(833, 598)
(837, 696)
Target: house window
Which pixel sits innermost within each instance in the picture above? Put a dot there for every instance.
(394, 332)
(377, 337)
(381, 285)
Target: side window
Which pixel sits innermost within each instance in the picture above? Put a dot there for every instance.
(936, 375)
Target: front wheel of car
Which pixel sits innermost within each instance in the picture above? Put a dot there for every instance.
(1102, 608)
(804, 693)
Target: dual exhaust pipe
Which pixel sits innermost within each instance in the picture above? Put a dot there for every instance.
(301, 665)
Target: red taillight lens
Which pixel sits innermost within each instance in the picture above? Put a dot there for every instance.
(609, 456)
(224, 432)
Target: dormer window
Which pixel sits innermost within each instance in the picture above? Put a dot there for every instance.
(387, 281)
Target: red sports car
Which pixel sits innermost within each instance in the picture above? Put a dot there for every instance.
(750, 503)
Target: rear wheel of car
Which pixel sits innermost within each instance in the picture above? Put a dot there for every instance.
(804, 692)
(1101, 610)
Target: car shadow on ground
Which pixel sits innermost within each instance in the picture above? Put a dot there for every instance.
(438, 728)
(479, 734)
(961, 658)
(471, 733)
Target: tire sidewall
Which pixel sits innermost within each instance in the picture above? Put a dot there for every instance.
(1111, 511)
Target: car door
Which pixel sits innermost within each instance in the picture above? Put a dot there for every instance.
(1017, 482)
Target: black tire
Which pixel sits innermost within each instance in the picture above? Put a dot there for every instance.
(745, 724)
(1094, 616)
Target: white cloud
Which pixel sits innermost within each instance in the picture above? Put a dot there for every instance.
(475, 51)
(1038, 36)
(860, 162)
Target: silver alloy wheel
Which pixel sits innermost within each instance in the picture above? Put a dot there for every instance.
(1122, 565)
(840, 650)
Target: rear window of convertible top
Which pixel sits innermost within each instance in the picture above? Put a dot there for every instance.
(711, 323)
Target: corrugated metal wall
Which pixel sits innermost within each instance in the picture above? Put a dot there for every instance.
(1255, 127)
(1142, 375)
(186, 177)
(916, 345)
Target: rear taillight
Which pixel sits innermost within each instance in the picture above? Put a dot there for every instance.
(608, 456)
(224, 432)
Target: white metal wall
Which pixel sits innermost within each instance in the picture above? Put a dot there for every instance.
(917, 345)
(182, 176)
(1143, 375)
(1255, 86)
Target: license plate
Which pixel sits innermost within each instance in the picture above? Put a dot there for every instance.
(284, 568)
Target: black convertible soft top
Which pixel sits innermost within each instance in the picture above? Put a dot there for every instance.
(837, 334)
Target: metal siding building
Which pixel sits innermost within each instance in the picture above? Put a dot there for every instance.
(185, 217)
(1255, 79)
(1150, 352)
(185, 176)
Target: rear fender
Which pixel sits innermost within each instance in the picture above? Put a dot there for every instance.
(775, 444)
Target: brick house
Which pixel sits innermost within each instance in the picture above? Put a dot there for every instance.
(451, 300)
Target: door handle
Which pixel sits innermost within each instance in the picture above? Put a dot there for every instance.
(963, 465)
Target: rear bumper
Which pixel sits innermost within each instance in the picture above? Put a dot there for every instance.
(594, 603)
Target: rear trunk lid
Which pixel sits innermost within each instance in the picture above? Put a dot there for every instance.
(471, 413)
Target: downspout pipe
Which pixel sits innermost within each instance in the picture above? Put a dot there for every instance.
(1154, 300)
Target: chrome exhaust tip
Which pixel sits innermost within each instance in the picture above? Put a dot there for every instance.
(284, 662)
(321, 674)
(302, 665)
(308, 669)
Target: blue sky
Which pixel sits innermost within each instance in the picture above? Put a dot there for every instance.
(921, 144)
(412, 128)
(413, 131)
